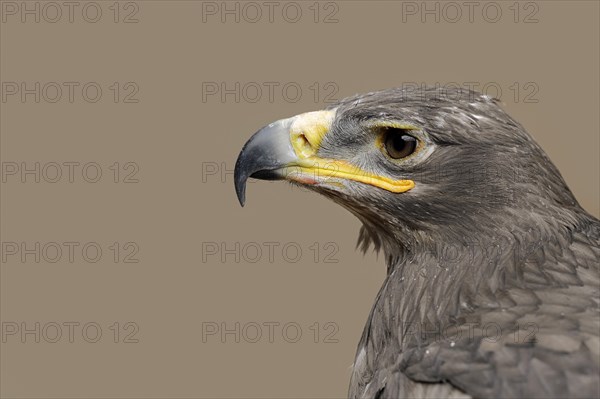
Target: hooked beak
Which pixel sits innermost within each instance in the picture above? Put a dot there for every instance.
(287, 149)
(279, 146)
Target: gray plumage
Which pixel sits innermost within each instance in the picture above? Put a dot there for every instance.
(493, 281)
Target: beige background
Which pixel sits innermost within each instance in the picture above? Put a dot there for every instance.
(172, 134)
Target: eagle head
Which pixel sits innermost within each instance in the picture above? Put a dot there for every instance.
(417, 168)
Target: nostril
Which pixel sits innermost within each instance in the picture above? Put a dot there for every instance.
(307, 131)
(302, 145)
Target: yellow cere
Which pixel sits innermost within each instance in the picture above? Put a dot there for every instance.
(307, 131)
(306, 134)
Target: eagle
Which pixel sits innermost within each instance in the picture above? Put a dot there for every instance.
(493, 268)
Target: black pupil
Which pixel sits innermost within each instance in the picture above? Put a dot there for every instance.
(398, 144)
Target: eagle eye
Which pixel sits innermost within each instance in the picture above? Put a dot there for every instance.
(398, 143)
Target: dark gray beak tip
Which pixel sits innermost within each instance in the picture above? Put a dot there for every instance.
(241, 194)
(263, 155)
(240, 176)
